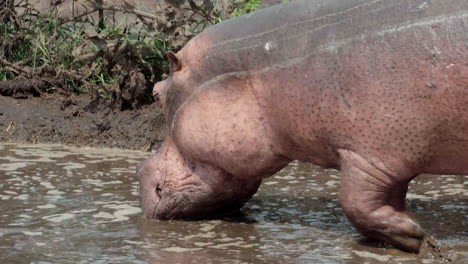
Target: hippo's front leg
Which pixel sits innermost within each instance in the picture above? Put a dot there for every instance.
(374, 200)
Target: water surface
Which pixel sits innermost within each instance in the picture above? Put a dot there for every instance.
(69, 205)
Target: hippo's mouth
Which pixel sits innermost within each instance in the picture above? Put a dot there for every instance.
(173, 207)
(190, 206)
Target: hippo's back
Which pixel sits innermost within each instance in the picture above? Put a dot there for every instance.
(292, 31)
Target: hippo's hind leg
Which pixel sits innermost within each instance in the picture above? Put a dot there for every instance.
(374, 201)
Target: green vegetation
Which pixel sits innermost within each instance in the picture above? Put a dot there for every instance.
(245, 7)
(89, 55)
(78, 55)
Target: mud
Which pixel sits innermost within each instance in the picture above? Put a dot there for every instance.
(79, 121)
(79, 205)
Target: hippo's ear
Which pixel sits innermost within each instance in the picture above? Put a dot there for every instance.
(174, 62)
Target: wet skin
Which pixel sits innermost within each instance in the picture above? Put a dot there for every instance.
(376, 89)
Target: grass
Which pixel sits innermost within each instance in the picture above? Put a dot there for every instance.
(82, 56)
(4, 76)
(87, 56)
(246, 7)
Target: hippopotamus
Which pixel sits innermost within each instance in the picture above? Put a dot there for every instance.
(376, 89)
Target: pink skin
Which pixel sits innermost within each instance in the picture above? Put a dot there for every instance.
(238, 113)
(175, 188)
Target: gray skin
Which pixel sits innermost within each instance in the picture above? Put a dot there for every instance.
(375, 89)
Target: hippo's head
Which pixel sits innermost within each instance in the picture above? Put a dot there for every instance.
(175, 185)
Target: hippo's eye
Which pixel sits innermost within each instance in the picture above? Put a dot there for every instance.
(158, 191)
(156, 97)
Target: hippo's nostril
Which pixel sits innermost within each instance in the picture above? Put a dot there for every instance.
(158, 191)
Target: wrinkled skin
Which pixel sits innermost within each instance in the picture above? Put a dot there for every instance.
(376, 89)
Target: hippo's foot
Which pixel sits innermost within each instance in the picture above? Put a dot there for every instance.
(390, 226)
(374, 201)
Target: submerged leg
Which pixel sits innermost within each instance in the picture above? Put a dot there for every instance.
(374, 201)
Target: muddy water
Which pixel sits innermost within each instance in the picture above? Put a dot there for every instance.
(68, 205)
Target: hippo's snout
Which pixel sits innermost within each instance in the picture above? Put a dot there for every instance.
(150, 181)
(159, 91)
(171, 188)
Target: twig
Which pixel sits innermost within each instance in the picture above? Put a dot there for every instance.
(144, 14)
(78, 77)
(121, 9)
(23, 62)
(200, 13)
(13, 66)
(11, 123)
(64, 21)
(87, 57)
(11, 70)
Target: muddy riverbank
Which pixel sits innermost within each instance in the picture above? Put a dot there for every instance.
(79, 121)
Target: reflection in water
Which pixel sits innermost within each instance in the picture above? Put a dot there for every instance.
(68, 205)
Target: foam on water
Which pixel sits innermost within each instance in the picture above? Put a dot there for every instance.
(59, 217)
(46, 206)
